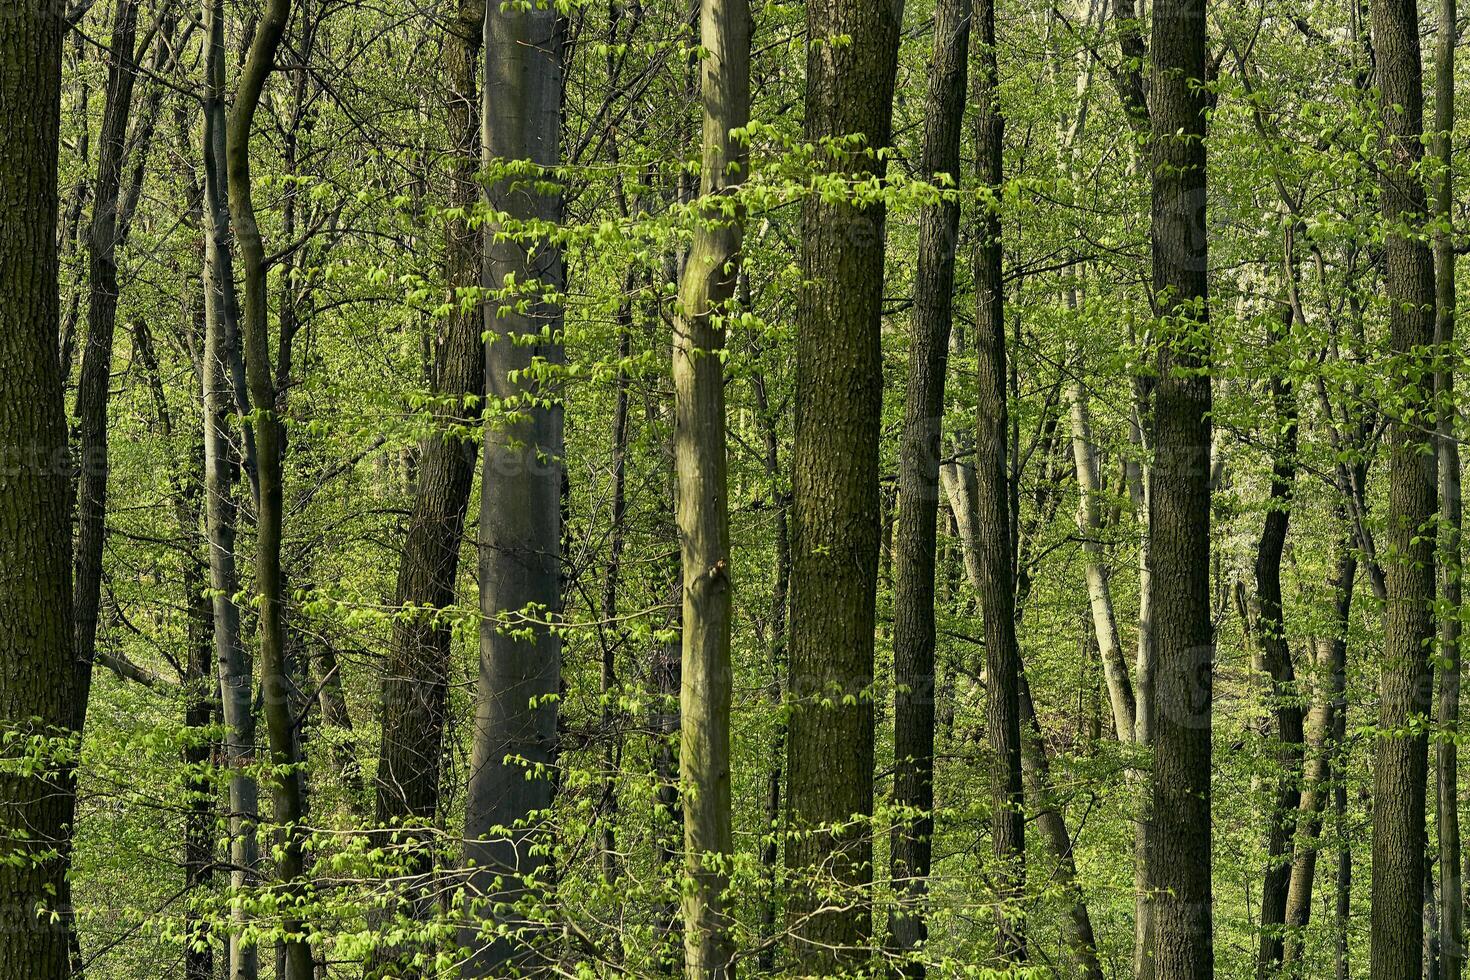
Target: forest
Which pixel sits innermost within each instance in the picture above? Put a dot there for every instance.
(887, 489)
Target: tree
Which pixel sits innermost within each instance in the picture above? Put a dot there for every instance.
(1451, 517)
(222, 363)
(835, 507)
(36, 664)
(1402, 751)
(1275, 651)
(1179, 501)
(93, 386)
(276, 684)
(417, 675)
(915, 544)
(510, 784)
(705, 292)
(993, 510)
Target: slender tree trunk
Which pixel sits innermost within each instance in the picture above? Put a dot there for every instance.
(780, 592)
(275, 680)
(1179, 503)
(200, 709)
(1446, 749)
(417, 676)
(102, 238)
(520, 511)
(706, 292)
(200, 680)
(1270, 629)
(610, 635)
(1053, 826)
(96, 373)
(959, 484)
(1322, 752)
(996, 585)
(1099, 592)
(221, 353)
(1129, 81)
(36, 644)
(918, 485)
(835, 517)
(1343, 900)
(1401, 767)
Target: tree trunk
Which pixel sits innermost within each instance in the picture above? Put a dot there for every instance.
(275, 680)
(959, 484)
(1099, 592)
(918, 485)
(776, 665)
(1179, 503)
(520, 510)
(36, 643)
(610, 635)
(1322, 753)
(1053, 826)
(1446, 749)
(200, 681)
(996, 585)
(1402, 752)
(417, 676)
(221, 396)
(706, 291)
(96, 374)
(1270, 628)
(835, 516)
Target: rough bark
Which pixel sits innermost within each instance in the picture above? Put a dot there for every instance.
(36, 652)
(288, 795)
(1179, 503)
(994, 492)
(835, 515)
(1401, 767)
(520, 511)
(1446, 749)
(416, 678)
(706, 290)
(918, 484)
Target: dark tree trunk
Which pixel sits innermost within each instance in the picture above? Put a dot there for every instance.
(918, 484)
(36, 643)
(417, 675)
(1270, 628)
(835, 517)
(96, 373)
(993, 499)
(1179, 503)
(1401, 767)
(288, 789)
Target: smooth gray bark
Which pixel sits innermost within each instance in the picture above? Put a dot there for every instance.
(510, 782)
